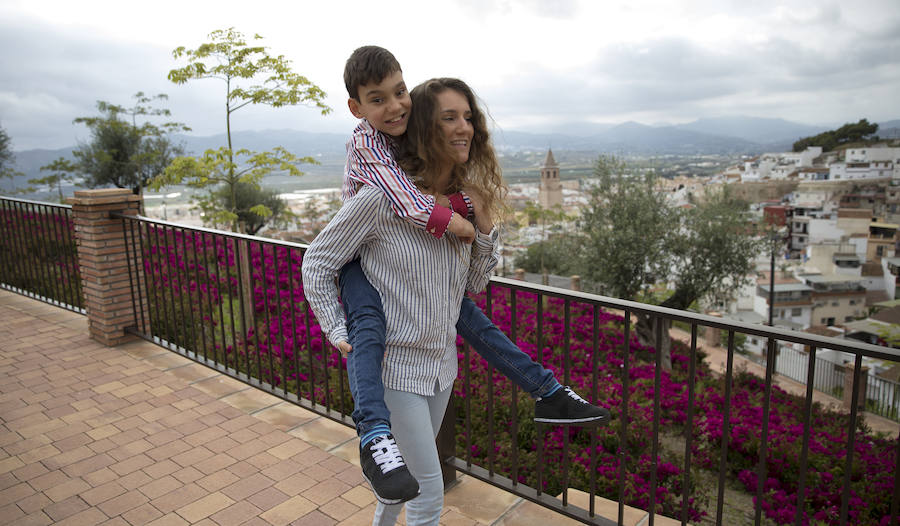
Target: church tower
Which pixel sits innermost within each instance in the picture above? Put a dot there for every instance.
(551, 189)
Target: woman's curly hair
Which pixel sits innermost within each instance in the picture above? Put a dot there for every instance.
(423, 150)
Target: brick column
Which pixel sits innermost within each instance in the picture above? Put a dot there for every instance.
(713, 335)
(576, 283)
(103, 263)
(848, 387)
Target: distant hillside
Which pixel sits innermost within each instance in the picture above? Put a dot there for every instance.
(889, 129)
(630, 138)
(521, 151)
(296, 141)
(753, 129)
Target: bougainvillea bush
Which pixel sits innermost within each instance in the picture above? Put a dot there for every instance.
(195, 282)
(567, 451)
(37, 251)
(874, 461)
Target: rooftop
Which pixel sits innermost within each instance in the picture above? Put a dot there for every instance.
(787, 287)
(832, 278)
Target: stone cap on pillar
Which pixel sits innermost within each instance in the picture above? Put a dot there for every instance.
(103, 196)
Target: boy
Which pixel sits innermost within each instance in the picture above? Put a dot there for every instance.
(378, 97)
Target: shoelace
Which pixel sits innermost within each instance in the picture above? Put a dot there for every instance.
(386, 455)
(572, 394)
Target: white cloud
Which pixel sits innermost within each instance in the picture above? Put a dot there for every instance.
(533, 62)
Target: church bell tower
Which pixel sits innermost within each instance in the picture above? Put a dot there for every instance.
(551, 189)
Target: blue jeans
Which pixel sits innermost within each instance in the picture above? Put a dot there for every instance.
(366, 333)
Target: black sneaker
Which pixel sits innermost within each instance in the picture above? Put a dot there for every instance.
(384, 470)
(566, 408)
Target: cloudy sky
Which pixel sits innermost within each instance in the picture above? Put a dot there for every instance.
(536, 64)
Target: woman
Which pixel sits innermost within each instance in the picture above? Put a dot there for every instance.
(421, 279)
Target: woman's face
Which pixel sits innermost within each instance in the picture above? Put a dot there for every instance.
(455, 119)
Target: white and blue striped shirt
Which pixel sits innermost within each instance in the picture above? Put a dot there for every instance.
(421, 281)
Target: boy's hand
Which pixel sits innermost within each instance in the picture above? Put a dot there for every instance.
(345, 348)
(442, 200)
(462, 228)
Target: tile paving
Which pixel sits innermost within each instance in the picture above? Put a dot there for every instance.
(137, 434)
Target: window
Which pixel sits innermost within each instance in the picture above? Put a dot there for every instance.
(879, 251)
(852, 302)
(796, 312)
(848, 318)
(835, 304)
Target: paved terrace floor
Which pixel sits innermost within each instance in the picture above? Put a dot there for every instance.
(138, 434)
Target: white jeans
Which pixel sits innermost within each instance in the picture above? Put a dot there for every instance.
(410, 418)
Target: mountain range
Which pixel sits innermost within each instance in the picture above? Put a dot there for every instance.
(726, 135)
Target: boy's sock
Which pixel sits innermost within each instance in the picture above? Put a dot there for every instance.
(553, 390)
(378, 430)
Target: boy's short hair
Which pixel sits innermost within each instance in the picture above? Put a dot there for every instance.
(368, 64)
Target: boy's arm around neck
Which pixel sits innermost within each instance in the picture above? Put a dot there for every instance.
(372, 163)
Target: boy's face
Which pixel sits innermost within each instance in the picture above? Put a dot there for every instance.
(385, 104)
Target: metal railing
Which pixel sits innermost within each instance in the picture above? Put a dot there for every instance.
(38, 255)
(882, 396)
(235, 303)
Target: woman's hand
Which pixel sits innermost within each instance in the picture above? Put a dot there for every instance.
(482, 217)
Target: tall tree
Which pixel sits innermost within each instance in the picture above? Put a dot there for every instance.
(250, 214)
(251, 76)
(7, 157)
(127, 154)
(848, 133)
(61, 170)
(634, 241)
(545, 217)
(553, 255)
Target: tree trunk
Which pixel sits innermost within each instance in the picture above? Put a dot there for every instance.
(646, 332)
(645, 328)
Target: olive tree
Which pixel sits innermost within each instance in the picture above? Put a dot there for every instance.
(124, 152)
(635, 241)
(61, 170)
(7, 157)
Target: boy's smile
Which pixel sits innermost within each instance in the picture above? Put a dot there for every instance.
(385, 104)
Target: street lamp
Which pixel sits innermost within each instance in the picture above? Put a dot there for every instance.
(773, 237)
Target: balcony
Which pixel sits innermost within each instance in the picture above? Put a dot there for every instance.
(199, 418)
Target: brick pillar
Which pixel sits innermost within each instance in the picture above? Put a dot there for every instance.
(576, 283)
(713, 335)
(102, 259)
(848, 387)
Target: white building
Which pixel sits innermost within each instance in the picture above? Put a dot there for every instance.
(781, 165)
(792, 306)
(873, 154)
(844, 170)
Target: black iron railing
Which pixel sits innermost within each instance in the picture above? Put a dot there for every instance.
(882, 396)
(38, 255)
(679, 435)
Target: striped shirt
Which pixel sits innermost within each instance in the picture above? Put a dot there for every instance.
(370, 162)
(421, 281)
